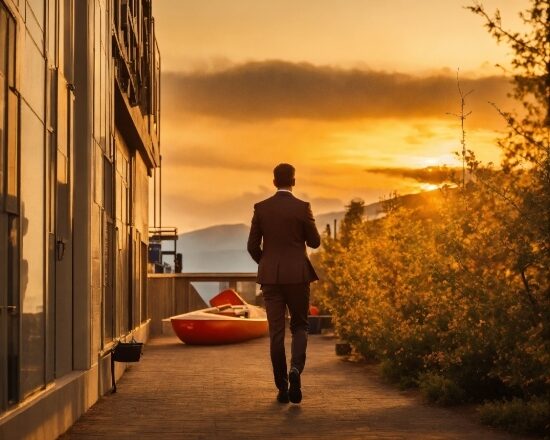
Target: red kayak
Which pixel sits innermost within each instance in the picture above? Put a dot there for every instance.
(230, 319)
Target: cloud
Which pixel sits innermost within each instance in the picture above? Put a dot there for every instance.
(277, 90)
(204, 156)
(421, 132)
(433, 175)
(322, 204)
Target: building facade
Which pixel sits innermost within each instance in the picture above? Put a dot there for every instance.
(79, 140)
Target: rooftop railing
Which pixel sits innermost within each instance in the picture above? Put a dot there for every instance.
(137, 61)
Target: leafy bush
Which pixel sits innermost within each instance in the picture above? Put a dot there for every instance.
(454, 294)
(442, 296)
(516, 415)
(438, 389)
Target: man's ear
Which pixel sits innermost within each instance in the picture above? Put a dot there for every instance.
(274, 183)
(293, 182)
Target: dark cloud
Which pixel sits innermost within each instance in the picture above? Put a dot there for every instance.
(277, 89)
(204, 156)
(433, 175)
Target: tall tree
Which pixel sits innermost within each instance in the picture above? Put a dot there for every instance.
(354, 216)
(526, 147)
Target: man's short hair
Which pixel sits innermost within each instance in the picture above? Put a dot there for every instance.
(284, 175)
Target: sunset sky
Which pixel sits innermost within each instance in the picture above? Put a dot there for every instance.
(334, 87)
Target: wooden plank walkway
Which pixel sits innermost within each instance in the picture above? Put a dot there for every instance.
(226, 392)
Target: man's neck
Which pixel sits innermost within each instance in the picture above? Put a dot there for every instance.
(285, 188)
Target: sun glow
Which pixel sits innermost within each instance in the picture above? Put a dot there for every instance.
(437, 161)
(428, 186)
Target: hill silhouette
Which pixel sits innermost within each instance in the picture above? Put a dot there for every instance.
(222, 248)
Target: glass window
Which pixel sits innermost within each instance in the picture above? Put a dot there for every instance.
(102, 103)
(98, 175)
(108, 251)
(11, 52)
(108, 287)
(52, 98)
(3, 36)
(13, 298)
(37, 7)
(34, 75)
(67, 36)
(2, 136)
(97, 73)
(12, 180)
(52, 32)
(108, 187)
(143, 275)
(52, 176)
(32, 251)
(8, 114)
(35, 29)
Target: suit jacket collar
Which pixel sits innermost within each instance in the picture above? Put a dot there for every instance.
(284, 194)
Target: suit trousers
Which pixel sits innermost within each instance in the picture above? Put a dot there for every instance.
(277, 298)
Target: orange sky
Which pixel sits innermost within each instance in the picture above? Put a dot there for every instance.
(333, 87)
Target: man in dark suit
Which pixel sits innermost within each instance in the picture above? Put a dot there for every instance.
(282, 225)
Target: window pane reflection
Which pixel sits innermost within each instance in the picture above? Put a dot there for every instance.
(32, 251)
(3, 35)
(2, 137)
(13, 298)
(34, 79)
(12, 180)
(37, 7)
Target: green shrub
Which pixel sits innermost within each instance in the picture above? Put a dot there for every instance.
(520, 416)
(438, 389)
(395, 373)
(450, 291)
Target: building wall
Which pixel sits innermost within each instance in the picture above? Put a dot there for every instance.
(77, 147)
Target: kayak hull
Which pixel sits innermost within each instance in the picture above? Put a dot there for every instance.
(214, 332)
(229, 321)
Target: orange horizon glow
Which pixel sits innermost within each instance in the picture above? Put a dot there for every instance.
(250, 84)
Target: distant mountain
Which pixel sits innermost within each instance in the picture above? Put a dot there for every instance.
(222, 248)
(218, 238)
(375, 211)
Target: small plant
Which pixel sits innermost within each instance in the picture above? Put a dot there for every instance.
(394, 373)
(441, 390)
(520, 416)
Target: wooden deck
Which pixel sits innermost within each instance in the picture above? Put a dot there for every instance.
(226, 392)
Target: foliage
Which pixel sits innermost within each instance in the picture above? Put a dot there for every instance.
(455, 296)
(354, 215)
(439, 389)
(516, 415)
(436, 295)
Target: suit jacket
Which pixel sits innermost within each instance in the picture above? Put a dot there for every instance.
(284, 224)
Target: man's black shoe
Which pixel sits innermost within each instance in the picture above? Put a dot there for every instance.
(294, 392)
(282, 396)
